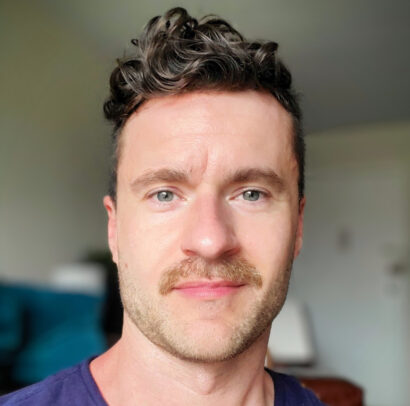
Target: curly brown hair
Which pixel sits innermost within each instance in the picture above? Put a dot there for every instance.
(177, 53)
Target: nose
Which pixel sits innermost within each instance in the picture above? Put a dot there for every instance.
(209, 232)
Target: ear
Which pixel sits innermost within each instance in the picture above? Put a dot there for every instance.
(112, 227)
(299, 230)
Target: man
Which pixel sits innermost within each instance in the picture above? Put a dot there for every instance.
(205, 217)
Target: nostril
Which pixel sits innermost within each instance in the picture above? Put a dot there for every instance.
(212, 244)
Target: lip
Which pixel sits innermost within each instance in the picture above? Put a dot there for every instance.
(207, 289)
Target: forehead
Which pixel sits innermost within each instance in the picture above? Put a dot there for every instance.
(206, 131)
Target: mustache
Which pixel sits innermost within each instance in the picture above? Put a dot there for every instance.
(236, 270)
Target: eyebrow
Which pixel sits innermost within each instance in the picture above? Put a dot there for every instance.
(167, 175)
(266, 175)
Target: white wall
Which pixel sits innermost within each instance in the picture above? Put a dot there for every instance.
(356, 229)
(53, 143)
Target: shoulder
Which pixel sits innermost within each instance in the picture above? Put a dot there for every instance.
(66, 387)
(289, 391)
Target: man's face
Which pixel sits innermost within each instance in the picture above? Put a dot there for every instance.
(207, 220)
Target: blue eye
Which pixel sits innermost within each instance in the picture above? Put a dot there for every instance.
(165, 195)
(251, 195)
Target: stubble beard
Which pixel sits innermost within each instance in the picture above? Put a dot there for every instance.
(157, 324)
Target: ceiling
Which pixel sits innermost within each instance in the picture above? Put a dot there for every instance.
(350, 59)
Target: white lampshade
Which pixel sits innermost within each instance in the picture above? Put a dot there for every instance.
(290, 341)
(82, 277)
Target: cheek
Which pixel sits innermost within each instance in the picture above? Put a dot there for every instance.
(268, 240)
(145, 244)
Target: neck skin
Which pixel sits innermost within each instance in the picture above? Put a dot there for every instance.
(136, 371)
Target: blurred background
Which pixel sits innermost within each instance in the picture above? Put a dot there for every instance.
(351, 284)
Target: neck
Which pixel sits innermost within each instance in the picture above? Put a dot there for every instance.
(134, 364)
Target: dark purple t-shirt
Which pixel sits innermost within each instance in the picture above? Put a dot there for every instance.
(76, 387)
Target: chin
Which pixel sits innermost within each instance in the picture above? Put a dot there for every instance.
(209, 352)
(209, 341)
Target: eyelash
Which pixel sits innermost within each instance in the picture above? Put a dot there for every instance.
(263, 195)
(153, 197)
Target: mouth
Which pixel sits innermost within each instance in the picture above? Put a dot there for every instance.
(207, 289)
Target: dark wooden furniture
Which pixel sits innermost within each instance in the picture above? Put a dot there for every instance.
(334, 391)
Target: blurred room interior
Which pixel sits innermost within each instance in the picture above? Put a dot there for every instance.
(348, 314)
